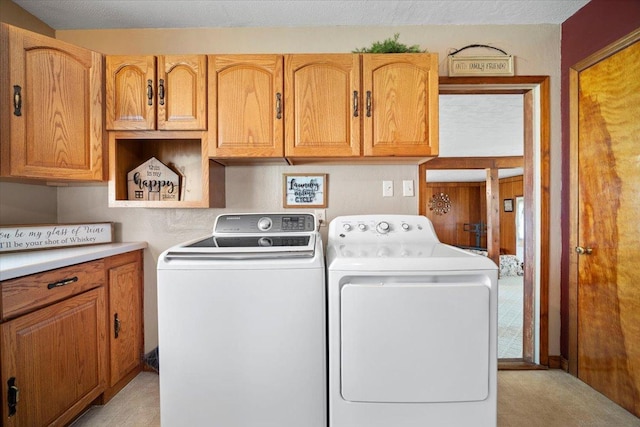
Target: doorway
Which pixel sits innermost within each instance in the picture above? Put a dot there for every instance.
(535, 163)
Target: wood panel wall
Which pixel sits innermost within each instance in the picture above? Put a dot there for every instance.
(469, 206)
(510, 188)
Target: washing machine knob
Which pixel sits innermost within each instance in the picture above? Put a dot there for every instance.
(405, 226)
(362, 227)
(264, 223)
(346, 227)
(265, 242)
(383, 227)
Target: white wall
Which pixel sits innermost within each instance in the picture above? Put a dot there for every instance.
(352, 189)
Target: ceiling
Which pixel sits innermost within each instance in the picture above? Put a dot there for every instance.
(96, 14)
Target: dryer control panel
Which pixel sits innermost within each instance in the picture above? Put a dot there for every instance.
(390, 228)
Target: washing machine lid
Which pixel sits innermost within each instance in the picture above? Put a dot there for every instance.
(253, 236)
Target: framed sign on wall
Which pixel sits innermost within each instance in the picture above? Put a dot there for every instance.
(305, 190)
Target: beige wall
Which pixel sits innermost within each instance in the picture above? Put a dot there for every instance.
(352, 189)
(13, 14)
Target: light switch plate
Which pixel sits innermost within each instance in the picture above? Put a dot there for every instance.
(407, 188)
(387, 188)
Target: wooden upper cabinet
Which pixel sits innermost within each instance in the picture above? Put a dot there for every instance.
(51, 115)
(246, 106)
(400, 95)
(131, 103)
(322, 105)
(164, 93)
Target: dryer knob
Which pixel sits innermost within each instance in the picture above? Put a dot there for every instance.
(362, 227)
(346, 227)
(405, 226)
(383, 227)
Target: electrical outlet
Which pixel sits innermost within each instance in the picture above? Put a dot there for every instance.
(321, 216)
(387, 188)
(407, 188)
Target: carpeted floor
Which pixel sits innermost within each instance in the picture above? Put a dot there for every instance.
(510, 318)
(550, 398)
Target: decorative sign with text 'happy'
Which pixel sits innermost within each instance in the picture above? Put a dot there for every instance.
(153, 180)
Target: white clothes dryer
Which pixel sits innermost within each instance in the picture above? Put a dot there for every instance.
(412, 326)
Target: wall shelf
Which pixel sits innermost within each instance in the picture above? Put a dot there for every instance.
(186, 151)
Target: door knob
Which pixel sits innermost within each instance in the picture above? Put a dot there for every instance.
(583, 251)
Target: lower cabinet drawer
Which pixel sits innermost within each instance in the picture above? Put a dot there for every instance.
(29, 293)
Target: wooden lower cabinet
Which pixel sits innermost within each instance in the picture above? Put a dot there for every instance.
(124, 275)
(54, 361)
(76, 343)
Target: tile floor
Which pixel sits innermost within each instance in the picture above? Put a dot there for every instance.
(510, 317)
(550, 398)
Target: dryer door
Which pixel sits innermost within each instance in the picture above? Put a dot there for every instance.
(415, 342)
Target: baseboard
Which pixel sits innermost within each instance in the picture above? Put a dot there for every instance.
(558, 362)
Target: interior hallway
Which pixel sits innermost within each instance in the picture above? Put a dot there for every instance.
(550, 398)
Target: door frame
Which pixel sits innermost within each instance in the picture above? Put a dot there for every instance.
(536, 92)
(574, 104)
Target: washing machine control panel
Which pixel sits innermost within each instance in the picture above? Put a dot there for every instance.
(260, 223)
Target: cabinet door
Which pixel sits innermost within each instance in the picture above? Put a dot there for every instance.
(322, 105)
(55, 358)
(125, 307)
(182, 92)
(131, 86)
(245, 108)
(52, 108)
(400, 93)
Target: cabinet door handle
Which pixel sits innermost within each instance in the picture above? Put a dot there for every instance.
(62, 282)
(368, 103)
(355, 103)
(13, 395)
(161, 92)
(278, 106)
(149, 92)
(17, 100)
(116, 326)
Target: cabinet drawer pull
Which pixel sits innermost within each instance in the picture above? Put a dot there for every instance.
(355, 103)
(62, 282)
(368, 103)
(278, 106)
(149, 92)
(17, 100)
(12, 396)
(161, 92)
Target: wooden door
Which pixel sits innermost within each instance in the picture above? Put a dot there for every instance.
(53, 128)
(608, 236)
(400, 96)
(246, 116)
(322, 106)
(131, 90)
(56, 357)
(182, 92)
(125, 308)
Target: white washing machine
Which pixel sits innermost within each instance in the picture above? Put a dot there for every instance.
(412, 326)
(242, 325)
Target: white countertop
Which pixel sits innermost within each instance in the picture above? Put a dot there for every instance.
(17, 264)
